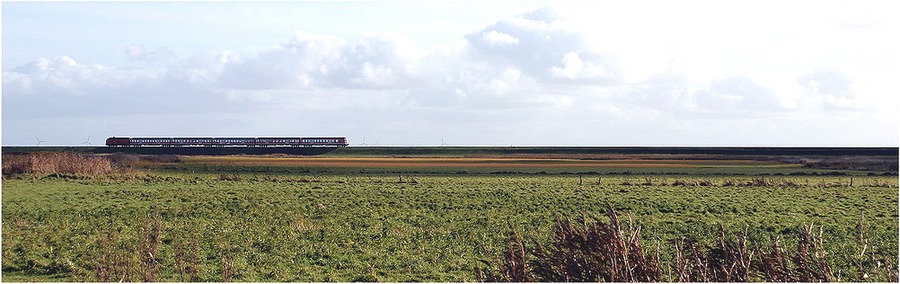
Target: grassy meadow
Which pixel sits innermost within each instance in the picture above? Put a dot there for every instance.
(301, 219)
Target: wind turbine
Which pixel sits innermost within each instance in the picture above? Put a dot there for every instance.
(442, 142)
(87, 142)
(364, 142)
(39, 141)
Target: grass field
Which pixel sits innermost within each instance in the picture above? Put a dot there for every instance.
(250, 218)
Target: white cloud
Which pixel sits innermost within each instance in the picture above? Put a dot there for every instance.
(576, 68)
(534, 78)
(544, 49)
(830, 87)
(495, 38)
(63, 76)
(311, 60)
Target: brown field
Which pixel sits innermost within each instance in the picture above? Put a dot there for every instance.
(472, 162)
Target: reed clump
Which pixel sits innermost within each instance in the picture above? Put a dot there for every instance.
(57, 163)
(581, 251)
(595, 251)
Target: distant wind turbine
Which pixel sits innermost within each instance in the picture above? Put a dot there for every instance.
(87, 142)
(364, 142)
(442, 142)
(39, 141)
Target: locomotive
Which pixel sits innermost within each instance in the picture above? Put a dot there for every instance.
(214, 142)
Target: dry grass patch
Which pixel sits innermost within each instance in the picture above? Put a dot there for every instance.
(57, 163)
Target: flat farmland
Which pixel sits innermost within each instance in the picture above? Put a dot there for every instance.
(605, 165)
(463, 162)
(401, 219)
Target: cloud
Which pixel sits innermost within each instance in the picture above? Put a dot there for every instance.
(832, 88)
(730, 98)
(495, 38)
(539, 44)
(574, 67)
(737, 94)
(310, 60)
(203, 71)
(63, 76)
(527, 79)
(140, 53)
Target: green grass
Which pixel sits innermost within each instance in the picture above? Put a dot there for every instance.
(353, 224)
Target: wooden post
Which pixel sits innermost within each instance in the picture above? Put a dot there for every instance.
(580, 180)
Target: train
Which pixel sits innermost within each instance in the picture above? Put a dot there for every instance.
(217, 142)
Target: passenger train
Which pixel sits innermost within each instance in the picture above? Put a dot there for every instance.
(212, 142)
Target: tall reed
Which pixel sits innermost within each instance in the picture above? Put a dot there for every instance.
(45, 163)
(593, 251)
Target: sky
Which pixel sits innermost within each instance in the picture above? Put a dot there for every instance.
(499, 73)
